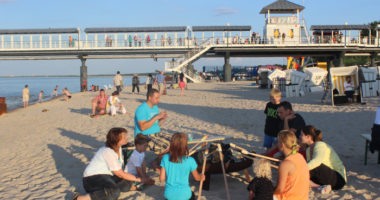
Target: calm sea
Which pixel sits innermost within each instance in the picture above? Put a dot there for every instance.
(11, 88)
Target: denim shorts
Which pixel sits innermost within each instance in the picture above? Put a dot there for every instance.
(269, 141)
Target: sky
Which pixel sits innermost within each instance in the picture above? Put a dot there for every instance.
(21, 14)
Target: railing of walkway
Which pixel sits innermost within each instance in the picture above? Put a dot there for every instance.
(185, 43)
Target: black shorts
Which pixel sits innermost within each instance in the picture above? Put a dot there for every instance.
(349, 94)
(324, 175)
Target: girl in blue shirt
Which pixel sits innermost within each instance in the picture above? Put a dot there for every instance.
(176, 167)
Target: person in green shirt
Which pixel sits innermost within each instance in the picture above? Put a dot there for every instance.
(326, 169)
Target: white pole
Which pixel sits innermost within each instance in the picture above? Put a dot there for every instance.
(115, 39)
(86, 38)
(50, 41)
(2, 41)
(21, 41)
(40, 40)
(59, 40)
(12, 41)
(96, 40)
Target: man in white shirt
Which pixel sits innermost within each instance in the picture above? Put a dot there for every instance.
(118, 81)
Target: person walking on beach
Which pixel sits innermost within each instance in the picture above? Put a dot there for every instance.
(55, 91)
(25, 96)
(40, 96)
(104, 177)
(160, 81)
(99, 104)
(118, 81)
(149, 83)
(182, 84)
(135, 84)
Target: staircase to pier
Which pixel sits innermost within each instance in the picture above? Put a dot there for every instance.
(182, 65)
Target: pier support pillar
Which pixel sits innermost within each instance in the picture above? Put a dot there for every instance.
(83, 75)
(372, 60)
(227, 68)
(341, 59)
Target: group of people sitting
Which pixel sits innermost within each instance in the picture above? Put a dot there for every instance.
(102, 104)
(307, 160)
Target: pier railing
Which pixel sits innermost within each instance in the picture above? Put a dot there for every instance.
(186, 43)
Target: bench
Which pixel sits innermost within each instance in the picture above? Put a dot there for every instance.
(367, 138)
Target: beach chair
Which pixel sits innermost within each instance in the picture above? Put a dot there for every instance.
(368, 85)
(368, 138)
(338, 77)
(295, 80)
(275, 78)
(315, 75)
(263, 74)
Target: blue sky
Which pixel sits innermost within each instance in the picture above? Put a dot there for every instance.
(17, 14)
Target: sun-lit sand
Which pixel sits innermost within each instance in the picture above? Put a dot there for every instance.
(44, 154)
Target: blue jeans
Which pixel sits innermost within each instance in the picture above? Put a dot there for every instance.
(105, 186)
(269, 140)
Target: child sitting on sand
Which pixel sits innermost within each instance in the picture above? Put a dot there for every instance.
(136, 164)
(272, 122)
(261, 187)
(176, 167)
(114, 104)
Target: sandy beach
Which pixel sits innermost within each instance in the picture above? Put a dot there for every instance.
(44, 154)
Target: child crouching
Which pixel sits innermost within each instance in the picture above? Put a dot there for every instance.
(136, 163)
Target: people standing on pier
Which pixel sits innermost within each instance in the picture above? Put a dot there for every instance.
(130, 40)
(25, 96)
(148, 40)
(135, 40)
(40, 96)
(135, 84)
(162, 41)
(70, 41)
(118, 81)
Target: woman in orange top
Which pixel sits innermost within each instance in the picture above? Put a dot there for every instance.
(293, 173)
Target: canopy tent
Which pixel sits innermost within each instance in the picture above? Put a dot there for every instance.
(338, 77)
(315, 75)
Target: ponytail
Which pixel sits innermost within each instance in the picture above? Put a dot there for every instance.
(315, 134)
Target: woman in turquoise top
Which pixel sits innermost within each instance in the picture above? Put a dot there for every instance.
(176, 167)
(326, 168)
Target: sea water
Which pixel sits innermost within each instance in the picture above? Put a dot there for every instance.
(11, 88)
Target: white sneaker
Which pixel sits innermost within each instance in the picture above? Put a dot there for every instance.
(325, 189)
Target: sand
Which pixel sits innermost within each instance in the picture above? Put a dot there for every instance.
(44, 154)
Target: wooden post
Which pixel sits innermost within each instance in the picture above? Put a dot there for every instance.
(202, 174)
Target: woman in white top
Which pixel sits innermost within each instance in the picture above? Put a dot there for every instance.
(349, 89)
(149, 83)
(104, 177)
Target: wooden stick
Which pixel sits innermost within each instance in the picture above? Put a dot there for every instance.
(224, 170)
(203, 138)
(244, 151)
(203, 172)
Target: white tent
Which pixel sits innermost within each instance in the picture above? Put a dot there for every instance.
(315, 75)
(338, 77)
